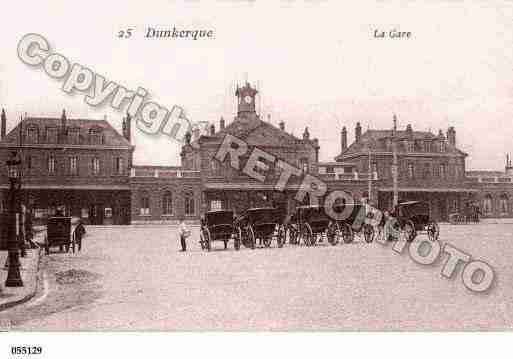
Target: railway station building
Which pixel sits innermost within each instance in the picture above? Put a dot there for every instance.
(85, 168)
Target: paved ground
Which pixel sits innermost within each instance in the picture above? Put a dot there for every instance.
(134, 278)
(10, 296)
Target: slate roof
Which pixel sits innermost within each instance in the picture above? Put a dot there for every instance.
(242, 127)
(110, 136)
(372, 139)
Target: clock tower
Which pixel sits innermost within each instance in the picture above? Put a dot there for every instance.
(246, 100)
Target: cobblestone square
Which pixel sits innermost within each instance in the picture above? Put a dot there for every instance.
(135, 278)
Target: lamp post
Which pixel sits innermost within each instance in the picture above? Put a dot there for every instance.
(395, 166)
(14, 174)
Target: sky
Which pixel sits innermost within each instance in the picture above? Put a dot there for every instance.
(317, 64)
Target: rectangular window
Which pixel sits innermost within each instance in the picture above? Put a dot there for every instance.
(442, 171)
(51, 165)
(216, 205)
(118, 165)
(84, 213)
(29, 162)
(32, 135)
(74, 136)
(427, 170)
(73, 166)
(189, 204)
(95, 137)
(457, 172)
(95, 165)
(52, 134)
(442, 146)
(40, 213)
(411, 173)
(411, 146)
(145, 206)
(330, 169)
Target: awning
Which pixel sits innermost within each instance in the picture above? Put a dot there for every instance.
(431, 190)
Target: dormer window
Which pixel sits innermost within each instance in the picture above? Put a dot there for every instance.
(52, 134)
(95, 136)
(410, 146)
(74, 136)
(32, 135)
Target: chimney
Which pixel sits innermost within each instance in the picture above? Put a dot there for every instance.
(509, 168)
(212, 130)
(451, 136)
(343, 139)
(128, 127)
(282, 125)
(221, 124)
(187, 138)
(358, 132)
(441, 134)
(195, 133)
(306, 134)
(4, 124)
(123, 127)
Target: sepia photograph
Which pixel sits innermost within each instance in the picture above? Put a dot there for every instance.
(244, 166)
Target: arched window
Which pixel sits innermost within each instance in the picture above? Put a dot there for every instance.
(503, 203)
(487, 204)
(189, 203)
(167, 204)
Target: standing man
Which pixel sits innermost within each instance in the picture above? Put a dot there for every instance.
(183, 233)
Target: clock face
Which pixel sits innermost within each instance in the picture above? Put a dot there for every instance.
(247, 99)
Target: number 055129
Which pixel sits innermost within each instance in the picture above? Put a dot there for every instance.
(26, 350)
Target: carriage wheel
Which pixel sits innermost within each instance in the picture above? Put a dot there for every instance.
(281, 236)
(409, 231)
(347, 233)
(433, 231)
(368, 233)
(332, 234)
(293, 235)
(306, 234)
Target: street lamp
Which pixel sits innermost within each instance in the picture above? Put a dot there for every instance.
(14, 174)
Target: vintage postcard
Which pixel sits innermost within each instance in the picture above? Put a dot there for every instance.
(252, 166)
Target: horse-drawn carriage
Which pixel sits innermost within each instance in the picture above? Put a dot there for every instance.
(262, 224)
(352, 222)
(217, 226)
(310, 223)
(63, 232)
(413, 217)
